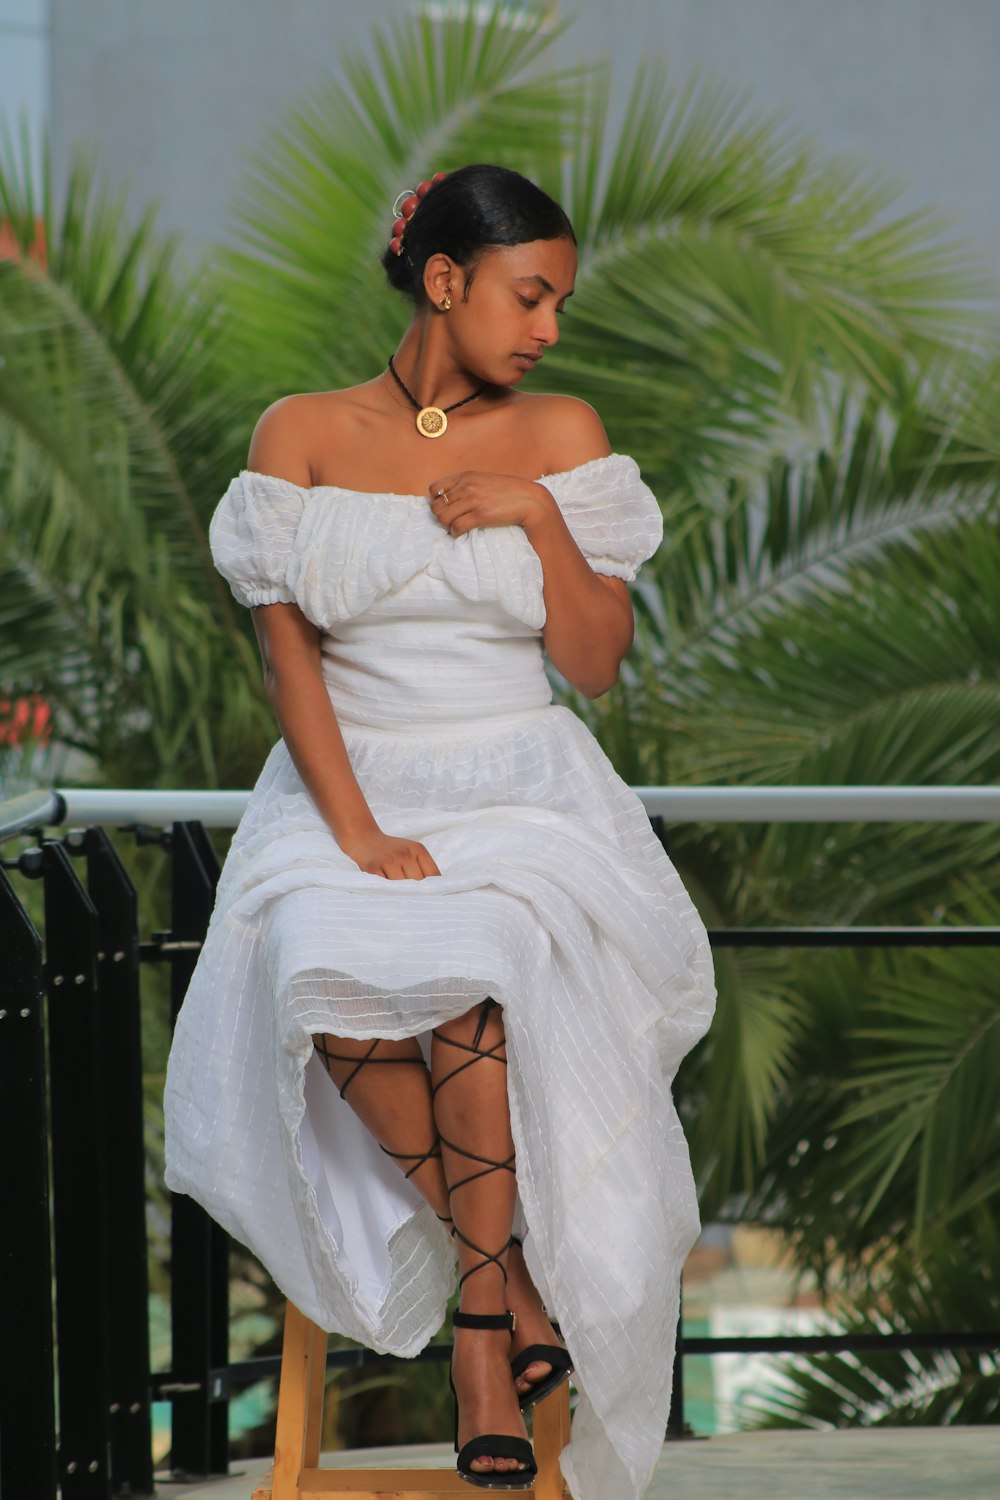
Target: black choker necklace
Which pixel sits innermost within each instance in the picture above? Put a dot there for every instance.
(432, 421)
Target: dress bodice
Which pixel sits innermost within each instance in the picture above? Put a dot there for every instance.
(416, 623)
(421, 658)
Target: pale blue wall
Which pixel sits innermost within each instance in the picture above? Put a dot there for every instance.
(24, 71)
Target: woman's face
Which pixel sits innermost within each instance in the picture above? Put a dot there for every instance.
(511, 314)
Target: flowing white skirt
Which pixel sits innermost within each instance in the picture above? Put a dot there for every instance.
(556, 899)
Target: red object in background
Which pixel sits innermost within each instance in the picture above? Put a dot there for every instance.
(28, 718)
(23, 719)
(9, 249)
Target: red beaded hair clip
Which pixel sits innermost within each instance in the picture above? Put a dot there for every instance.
(405, 206)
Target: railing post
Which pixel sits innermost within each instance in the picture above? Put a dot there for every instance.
(199, 1283)
(27, 1400)
(114, 897)
(78, 1181)
(676, 1425)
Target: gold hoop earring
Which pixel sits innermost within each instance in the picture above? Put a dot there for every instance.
(446, 302)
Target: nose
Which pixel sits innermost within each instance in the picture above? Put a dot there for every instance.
(545, 329)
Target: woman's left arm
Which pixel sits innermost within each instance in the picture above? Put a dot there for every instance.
(589, 623)
(588, 618)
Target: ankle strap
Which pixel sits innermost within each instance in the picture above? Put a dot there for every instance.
(484, 1320)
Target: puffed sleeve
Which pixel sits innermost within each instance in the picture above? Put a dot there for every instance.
(611, 513)
(252, 537)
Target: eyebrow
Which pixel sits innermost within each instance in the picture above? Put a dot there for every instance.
(541, 281)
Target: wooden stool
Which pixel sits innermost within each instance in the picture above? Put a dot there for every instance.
(296, 1474)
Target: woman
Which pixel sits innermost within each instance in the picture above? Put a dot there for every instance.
(441, 896)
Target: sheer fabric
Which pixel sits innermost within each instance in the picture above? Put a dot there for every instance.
(555, 898)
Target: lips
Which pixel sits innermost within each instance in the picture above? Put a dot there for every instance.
(533, 357)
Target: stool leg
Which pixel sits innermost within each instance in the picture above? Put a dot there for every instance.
(300, 1403)
(314, 1397)
(549, 1436)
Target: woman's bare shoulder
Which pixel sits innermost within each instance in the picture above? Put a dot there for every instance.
(284, 441)
(567, 430)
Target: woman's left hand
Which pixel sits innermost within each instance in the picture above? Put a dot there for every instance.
(468, 499)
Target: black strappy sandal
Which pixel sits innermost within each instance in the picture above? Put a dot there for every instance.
(553, 1354)
(489, 1445)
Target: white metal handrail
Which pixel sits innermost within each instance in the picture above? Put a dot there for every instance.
(121, 807)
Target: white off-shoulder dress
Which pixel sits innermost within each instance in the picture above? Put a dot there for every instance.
(555, 898)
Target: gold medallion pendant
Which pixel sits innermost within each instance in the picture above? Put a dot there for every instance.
(431, 422)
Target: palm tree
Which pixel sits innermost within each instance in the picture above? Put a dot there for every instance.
(112, 412)
(798, 368)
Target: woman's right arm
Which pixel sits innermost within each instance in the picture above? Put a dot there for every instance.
(293, 680)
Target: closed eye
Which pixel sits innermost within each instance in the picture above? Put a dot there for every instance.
(528, 302)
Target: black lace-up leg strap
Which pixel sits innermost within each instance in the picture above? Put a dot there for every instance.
(487, 1259)
(419, 1158)
(328, 1056)
(487, 1163)
(491, 1054)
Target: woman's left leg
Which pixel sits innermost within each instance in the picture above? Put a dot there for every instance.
(469, 1072)
(468, 1068)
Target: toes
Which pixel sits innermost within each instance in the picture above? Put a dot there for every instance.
(532, 1375)
(500, 1465)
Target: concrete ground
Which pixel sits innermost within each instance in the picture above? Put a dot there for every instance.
(888, 1463)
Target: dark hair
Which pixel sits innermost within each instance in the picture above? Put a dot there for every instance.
(467, 212)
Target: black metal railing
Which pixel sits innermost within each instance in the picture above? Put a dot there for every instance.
(72, 1179)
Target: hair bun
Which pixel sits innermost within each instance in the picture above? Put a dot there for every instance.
(478, 206)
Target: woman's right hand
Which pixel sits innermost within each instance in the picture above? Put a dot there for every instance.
(378, 853)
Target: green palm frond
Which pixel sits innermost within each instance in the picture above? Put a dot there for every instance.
(746, 1068)
(107, 376)
(113, 431)
(925, 1090)
(807, 529)
(968, 392)
(895, 677)
(890, 1122)
(704, 155)
(941, 1292)
(728, 276)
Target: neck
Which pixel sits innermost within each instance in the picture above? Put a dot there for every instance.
(427, 368)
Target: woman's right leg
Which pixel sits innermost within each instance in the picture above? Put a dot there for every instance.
(388, 1086)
